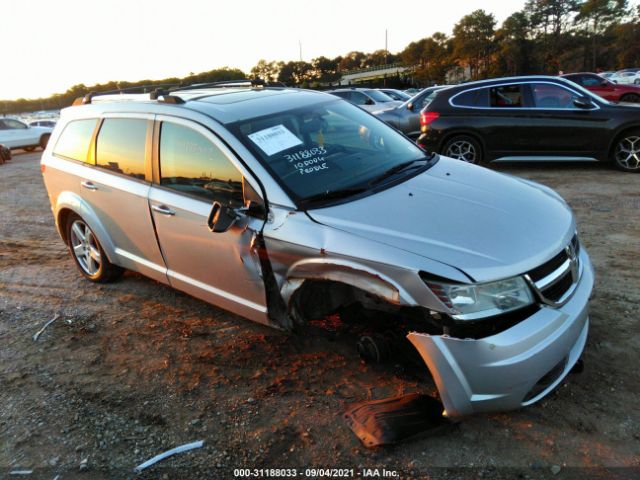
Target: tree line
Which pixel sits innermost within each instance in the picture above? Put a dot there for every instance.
(545, 37)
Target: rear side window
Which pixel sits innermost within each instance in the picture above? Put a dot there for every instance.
(120, 146)
(191, 164)
(75, 139)
(465, 99)
(506, 96)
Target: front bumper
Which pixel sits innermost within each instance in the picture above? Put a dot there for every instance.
(513, 368)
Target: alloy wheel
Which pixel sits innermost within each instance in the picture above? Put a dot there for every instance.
(85, 248)
(627, 153)
(462, 150)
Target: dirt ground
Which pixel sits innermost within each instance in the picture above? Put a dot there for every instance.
(133, 368)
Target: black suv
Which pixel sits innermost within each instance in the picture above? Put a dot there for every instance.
(531, 118)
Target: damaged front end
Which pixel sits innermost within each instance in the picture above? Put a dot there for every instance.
(515, 367)
(480, 363)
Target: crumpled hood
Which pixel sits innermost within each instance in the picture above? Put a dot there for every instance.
(487, 224)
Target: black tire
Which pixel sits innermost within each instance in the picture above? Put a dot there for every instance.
(463, 147)
(630, 97)
(44, 139)
(87, 253)
(625, 153)
(29, 149)
(5, 153)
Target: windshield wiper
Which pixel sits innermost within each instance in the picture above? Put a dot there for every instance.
(333, 195)
(401, 167)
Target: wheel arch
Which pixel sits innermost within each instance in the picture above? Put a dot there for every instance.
(464, 132)
(42, 137)
(347, 275)
(68, 203)
(618, 135)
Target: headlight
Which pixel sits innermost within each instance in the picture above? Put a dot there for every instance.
(475, 301)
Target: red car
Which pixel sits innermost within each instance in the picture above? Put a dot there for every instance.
(601, 86)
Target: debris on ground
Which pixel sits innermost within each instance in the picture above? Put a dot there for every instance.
(39, 332)
(394, 419)
(168, 453)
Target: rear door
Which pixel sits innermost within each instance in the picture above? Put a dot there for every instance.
(193, 170)
(117, 188)
(507, 119)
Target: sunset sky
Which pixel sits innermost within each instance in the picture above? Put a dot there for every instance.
(51, 45)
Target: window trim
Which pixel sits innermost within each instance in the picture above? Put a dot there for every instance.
(520, 109)
(210, 136)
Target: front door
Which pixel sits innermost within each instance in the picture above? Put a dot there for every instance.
(195, 169)
(560, 129)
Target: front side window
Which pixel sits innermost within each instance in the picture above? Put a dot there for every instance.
(15, 124)
(75, 140)
(120, 146)
(358, 98)
(379, 96)
(547, 95)
(506, 96)
(321, 150)
(190, 163)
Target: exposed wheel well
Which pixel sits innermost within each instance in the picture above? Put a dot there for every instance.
(316, 299)
(377, 328)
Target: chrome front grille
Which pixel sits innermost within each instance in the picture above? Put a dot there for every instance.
(555, 280)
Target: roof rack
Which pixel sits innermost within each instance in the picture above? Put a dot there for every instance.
(134, 89)
(162, 92)
(243, 82)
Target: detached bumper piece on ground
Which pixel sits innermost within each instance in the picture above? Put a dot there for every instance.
(392, 420)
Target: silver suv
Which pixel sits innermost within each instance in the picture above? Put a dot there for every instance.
(285, 206)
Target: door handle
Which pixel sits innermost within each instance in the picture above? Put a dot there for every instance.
(88, 185)
(164, 210)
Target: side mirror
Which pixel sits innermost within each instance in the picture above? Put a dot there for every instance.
(583, 102)
(221, 218)
(369, 102)
(410, 106)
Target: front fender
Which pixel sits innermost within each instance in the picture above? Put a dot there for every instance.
(74, 203)
(343, 271)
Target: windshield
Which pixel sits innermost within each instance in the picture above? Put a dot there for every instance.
(321, 149)
(379, 96)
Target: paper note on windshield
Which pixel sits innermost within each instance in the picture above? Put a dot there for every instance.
(275, 139)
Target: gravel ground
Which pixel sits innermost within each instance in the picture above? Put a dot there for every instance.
(134, 368)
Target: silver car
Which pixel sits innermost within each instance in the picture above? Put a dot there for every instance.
(285, 206)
